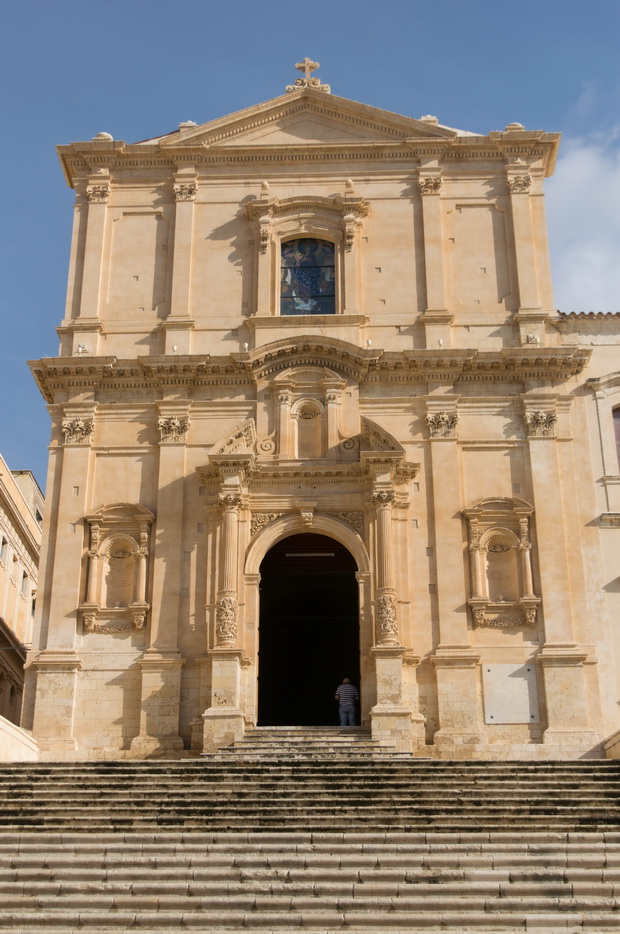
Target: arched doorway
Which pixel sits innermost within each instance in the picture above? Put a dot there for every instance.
(309, 630)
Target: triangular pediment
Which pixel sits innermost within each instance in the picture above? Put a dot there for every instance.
(306, 118)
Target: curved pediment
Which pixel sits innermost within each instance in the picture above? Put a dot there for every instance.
(346, 359)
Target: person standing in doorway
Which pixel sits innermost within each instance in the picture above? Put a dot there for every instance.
(346, 695)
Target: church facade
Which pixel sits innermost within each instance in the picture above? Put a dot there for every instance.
(314, 414)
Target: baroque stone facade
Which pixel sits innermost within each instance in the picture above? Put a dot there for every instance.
(315, 318)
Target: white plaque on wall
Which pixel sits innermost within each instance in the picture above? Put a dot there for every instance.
(510, 694)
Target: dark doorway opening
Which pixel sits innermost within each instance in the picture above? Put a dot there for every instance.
(309, 630)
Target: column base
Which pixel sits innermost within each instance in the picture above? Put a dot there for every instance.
(222, 727)
(567, 737)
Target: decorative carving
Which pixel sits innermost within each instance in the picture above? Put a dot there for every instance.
(261, 519)
(518, 184)
(264, 232)
(387, 623)
(307, 66)
(442, 424)
(97, 194)
(430, 185)
(540, 424)
(485, 617)
(240, 441)
(307, 515)
(78, 430)
(498, 547)
(185, 191)
(308, 410)
(139, 619)
(226, 620)
(354, 518)
(383, 498)
(351, 224)
(173, 428)
(231, 501)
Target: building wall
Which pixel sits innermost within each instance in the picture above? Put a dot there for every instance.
(463, 450)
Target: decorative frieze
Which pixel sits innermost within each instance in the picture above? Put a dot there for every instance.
(490, 617)
(442, 424)
(185, 191)
(540, 424)
(107, 620)
(354, 518)
(98, 194)
(173, 428)
(78, 430)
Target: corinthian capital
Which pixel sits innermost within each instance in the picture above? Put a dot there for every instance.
(383, 497)
(78, 430)
(540, 424)
(230, 500)
(430, 185)
(98, 193)
(173, 428)
(185, 192)
(442, 424)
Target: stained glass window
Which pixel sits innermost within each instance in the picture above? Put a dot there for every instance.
(307, 284)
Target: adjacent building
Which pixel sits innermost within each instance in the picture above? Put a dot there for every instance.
(21, 515)
(314, 414)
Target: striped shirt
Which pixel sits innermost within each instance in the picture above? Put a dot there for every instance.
(346, 694)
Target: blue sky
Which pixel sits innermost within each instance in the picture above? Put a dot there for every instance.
(136, 68)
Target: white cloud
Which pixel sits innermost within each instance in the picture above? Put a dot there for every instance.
(583, 214)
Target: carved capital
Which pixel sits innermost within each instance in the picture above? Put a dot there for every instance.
(78, 430)
(442, 424)
(540, 424)
(519, 184)
(185, 191)
(97, 194)
(230, 501)
(387, 622)
(383, 498)
(430, 185)
(264, 233)
(226, 620)
(351, 225)
(173, 428)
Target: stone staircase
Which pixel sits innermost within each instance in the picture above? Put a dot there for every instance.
(319, 742)
(343, 837)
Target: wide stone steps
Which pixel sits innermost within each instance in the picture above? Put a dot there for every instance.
(315, 882)
(307, 795)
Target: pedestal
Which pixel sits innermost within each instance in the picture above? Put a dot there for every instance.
(565, 693)
(224, 720)
(159, 715)
(458, 697)
(55, 705)
(391, 721)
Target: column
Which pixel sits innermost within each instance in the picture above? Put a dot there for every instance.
(531, 316)
(562, 660)
(436, 317)
(178, 324)
(456, 663)
(333, 404)
(162, 662)
(97, 194)
(391, 720)
(285, 440)
(224, 720)
(58, 663)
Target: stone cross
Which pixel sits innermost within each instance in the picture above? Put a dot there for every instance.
(307, 66)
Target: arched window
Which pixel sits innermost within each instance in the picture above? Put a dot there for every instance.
(307, 280)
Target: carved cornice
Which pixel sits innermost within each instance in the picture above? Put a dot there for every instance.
(60, 374)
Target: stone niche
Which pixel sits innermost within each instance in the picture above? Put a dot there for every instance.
(117, 565)
(500, 550)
